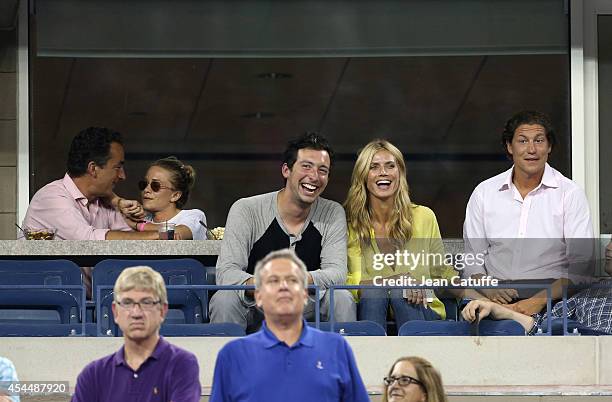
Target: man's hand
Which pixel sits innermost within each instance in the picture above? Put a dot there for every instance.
(500, 296)
(529, 306)
(131, 209)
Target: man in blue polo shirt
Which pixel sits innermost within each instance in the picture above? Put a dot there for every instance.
(146, 368)
(286, 360)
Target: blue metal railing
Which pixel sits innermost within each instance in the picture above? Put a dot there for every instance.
(548, 288)
(100, 288)
(331, 318)
(80, 288)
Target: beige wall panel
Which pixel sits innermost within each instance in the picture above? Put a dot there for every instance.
(523, 398)
(605, 359)
(8, 194)
(556, 361)
(480, 359)
(8, 231)
(8, 96)
(8, 142)
(378, 398)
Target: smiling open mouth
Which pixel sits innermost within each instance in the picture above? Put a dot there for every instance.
(309, 188)
(383, 184)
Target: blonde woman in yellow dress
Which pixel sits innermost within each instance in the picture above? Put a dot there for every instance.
(383, 220)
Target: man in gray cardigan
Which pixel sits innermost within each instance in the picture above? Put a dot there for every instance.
(294, 217)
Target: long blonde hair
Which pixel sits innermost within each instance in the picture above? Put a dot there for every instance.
(427, 375)
(357, 204)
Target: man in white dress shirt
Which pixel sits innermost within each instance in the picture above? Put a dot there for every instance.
(530, 222)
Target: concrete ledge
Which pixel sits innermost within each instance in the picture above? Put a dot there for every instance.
(469, 366)
(590, 390)
(113, 249)
(117, 249)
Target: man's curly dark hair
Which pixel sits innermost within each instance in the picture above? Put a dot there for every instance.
(308, 140)
(528, 117)
(91, 144)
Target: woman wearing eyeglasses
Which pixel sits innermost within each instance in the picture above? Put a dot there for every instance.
(413, 379)
(165, 190)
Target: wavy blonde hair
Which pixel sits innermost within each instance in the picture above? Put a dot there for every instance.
(357, 202)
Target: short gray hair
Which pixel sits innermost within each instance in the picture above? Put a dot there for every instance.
(285, 253)
(141, 278)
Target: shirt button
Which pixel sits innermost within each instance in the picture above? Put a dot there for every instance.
(135, 375)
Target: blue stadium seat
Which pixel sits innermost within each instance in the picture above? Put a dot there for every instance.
(186, 306)
(354, 328)
(435, 328)
(54, 330)
(40, 298)
(211, 275)
(501, 328)
(573, 327)
(224, 329)
(460, 328)
(452, 308)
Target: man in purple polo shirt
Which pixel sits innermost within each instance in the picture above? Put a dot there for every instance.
(147, 368)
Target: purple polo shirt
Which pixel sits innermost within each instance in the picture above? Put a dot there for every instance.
(169, 374)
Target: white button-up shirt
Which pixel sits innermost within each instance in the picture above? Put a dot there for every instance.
(540, 236)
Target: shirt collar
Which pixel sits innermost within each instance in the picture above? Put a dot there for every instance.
(507, 182)
(160, 348)
(73, 190)
(548, 178)
(270, 340)
(278, 217)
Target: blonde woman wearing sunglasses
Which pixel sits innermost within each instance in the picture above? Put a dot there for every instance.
(164, 191)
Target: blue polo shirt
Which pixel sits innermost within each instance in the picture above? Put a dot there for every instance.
(320, 367)
(169, 374)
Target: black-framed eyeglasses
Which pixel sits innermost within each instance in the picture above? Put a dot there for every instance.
(145, 305)
(403, 381)
(155, 185)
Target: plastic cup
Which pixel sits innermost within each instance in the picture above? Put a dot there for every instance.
(166, 231)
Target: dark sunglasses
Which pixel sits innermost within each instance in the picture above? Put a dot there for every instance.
(403, 381)
(155, 186)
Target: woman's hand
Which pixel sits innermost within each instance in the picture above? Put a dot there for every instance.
(484, 307)
(182, 232)
(415, 296)
(496, 311)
